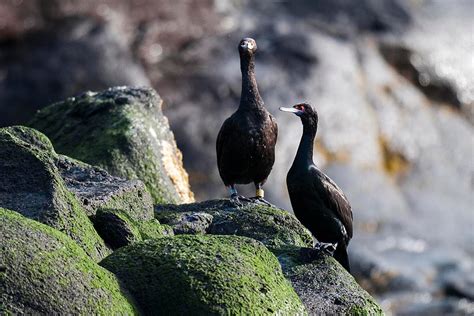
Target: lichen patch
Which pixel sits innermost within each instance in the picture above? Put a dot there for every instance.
(172, 162)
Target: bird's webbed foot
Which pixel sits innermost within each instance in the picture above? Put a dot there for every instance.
(311, 254)
(328, 248)
(259, 196)
(261, 200)
(239, 200)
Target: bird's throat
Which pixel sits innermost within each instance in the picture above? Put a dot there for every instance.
(250, 97)
(304, 155)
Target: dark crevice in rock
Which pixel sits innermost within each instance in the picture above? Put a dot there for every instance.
(434, 88)
(113, 230)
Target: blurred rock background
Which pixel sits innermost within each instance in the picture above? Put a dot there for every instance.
(392, 81)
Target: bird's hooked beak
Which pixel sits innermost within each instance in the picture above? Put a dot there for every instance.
(291, 110)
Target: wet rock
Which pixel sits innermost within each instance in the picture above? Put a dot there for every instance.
(441, 58)
(272, 226)
(458, 282)
(344, 18)
(378, 277)
(123, 131)
(119, 230)
(404, 61)
(64, 58)
(31, 184)
(204, 275)
(45, 272)
(323, 285)
(444, 307)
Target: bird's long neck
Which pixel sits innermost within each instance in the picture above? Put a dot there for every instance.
(250, 97)
(304, 155)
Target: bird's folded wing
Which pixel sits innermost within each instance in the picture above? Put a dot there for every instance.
(338, 202)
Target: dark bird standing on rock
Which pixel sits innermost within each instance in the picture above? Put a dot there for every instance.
(317, 201)
(246, 142)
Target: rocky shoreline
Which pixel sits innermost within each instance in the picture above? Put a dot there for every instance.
(79, 239)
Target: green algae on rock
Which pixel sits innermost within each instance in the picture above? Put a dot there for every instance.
(31, 185)
(272, 226)
(118, 229)
(153, 229)
(45, 272)
(204, 275)
(124, 131)
(323, 285)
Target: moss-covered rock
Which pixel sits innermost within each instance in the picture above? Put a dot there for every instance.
(31, 184)
(124, 131)
(204, 275)
(323, 285)
(45, 272)
(118, 229)
(272, 226)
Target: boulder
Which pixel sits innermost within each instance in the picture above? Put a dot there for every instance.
(124, 131)
(118, 229)
(272, 226)
(45, 272)
(31, 184)
(204, 275)
(324, 286)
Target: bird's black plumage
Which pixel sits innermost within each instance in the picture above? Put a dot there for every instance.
(317, 201)
(246, 141)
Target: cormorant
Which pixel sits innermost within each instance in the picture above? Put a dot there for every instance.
(246, 141)
(317, 201)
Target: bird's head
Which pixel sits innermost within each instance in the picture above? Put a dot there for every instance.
(247, 46)
(308, 115)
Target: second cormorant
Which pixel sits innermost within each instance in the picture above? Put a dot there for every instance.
(246, 141)
(317, 201)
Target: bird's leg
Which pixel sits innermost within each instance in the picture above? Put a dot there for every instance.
(259, 195)
(235, 197)
(328, 248)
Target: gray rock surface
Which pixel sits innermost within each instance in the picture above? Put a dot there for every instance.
(96, 190)
(187, 222)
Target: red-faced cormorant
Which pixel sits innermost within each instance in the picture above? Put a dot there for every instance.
(246, 142)
(317, 201)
